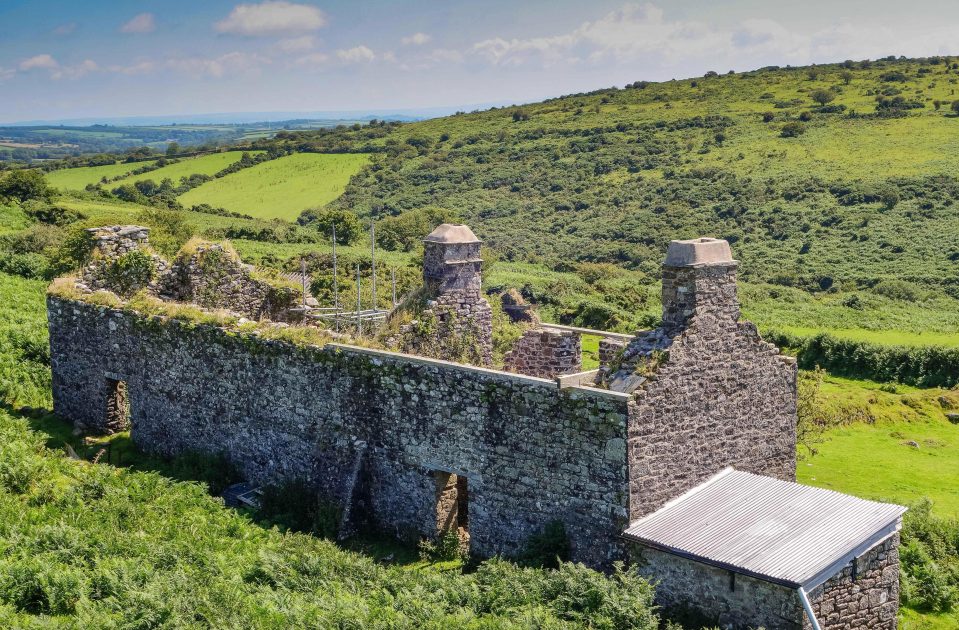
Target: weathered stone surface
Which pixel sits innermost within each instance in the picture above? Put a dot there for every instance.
(871, 600)
(545, 353)
(531, 453)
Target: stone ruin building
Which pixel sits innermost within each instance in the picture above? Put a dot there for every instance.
(678, 453)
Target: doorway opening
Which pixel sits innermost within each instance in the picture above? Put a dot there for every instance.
(118, 406)
(452, 506)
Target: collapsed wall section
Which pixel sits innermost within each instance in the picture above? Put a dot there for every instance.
(530, 452)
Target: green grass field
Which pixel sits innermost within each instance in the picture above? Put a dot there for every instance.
(870, 455)
(280, 188)
(202, 165)
(78, 178)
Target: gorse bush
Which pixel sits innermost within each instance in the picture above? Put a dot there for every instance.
(930, 560)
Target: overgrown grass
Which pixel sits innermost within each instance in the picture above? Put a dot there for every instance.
(281, 188)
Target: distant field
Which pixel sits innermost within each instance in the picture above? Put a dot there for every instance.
(871, 456)
(78, 178)
(203, 165)
(280, 188)
(885, 337)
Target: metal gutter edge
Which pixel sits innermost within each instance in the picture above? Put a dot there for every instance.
(808, 608)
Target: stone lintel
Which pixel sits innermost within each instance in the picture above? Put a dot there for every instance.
(699, 252)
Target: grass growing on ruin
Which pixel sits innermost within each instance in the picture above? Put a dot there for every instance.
(280, 188)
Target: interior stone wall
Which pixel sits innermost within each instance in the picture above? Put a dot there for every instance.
(545, 353)
(531, 452)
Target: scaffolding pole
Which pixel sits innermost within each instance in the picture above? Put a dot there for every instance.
(393, 283)
(373, 259)
(336, 288)
(359, 307)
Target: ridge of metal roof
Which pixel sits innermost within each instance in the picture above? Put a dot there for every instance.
(778, 531)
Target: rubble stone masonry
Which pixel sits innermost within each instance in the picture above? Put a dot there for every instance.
(531, 452)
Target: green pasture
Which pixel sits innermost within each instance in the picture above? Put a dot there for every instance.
(281, 188)
(202, 165)
(78, 178)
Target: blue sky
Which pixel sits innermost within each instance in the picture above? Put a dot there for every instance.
(68, 59)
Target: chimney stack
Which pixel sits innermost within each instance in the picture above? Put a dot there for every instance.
(699, 276)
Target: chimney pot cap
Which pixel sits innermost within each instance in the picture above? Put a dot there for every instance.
(697, 252)
(452, 233)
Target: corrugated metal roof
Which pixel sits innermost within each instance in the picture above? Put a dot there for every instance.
(775, 530)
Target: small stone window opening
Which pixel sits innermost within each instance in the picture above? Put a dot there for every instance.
(118, 406)
(452, 505)
(855, 569)
(732, 581)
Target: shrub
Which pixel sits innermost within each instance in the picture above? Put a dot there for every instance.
(406, 231)
(24, 185)
(348, 228)
(548, 548)
(823, 96)
(129, 273)
(924, 366)
(768, 117)
(929, 558)
(955, 107)
(895, 289)
(792, 130)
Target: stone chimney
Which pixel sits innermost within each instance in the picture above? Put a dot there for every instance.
(699, 276)
(452, 274)
(451, 259)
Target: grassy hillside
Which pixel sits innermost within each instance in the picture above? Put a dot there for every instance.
(78, 178)
(865, 192)
(202, 165)
(280, 188)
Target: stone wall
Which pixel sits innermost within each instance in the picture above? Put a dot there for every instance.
(213, 276)
(843, 602)
(111, 247)
(545, 353)
(862, 596)
(720, 397)
(531, 453)
(610, 350)
(725, 601)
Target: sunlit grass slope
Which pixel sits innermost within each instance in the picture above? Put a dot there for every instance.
(78, 178)
(280, 188)
(202, 165)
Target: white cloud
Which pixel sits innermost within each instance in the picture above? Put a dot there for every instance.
(416, 39)
(313, 59)
(297, 44)
(643, 33)
(75, 71)
(274, 17)
(357, 54)
(46, 62)
(65, 29)
(142, 23)
(218, 67)
(6, 73)
(141, 67)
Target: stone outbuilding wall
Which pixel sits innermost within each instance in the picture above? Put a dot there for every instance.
(111, 247)
(864, 597)
(365, 427)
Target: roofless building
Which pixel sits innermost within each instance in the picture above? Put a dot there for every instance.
(678, 454)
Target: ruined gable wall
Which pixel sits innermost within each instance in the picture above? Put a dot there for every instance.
(721, 397)
(531, 453)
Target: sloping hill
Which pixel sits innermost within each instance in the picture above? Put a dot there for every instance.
(847, 194)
